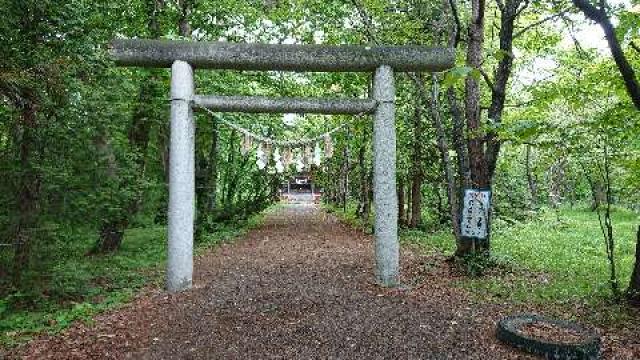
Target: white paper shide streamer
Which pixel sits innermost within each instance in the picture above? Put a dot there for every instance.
(287, 157)
(247, 144)
(328, 146)
(261, 160)
(308, 151)
(278, 160)
(299, 162)
(317, 155)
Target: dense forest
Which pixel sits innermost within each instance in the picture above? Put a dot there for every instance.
(542, 107)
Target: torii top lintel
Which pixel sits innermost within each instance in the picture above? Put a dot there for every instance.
(283, 57)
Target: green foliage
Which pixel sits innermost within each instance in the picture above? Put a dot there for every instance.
(555, 262)
(78, 286)
(477, 264)
(456, 75)
(96, 151)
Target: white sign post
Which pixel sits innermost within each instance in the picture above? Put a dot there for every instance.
(475, 214)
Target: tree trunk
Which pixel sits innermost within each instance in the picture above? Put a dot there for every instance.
(441, 211)
(364, 178)
(409, 202)
(458, 129)
(633, 292)
(459, 139)
(213, 172)
(112, 229)
(464, 172)
(475, 146)
(556, 180)
(533, 186)
(484, 149)
(369, 192)
(416, 202)
(599, 15)
(206, 180)
(452, 194)
(143, 119)
(475, 142)
(416, 163)
(502, 73)
(599, 196)
(110, 237)
(229, 178)
(344, 175)
(28, 191)
(400, 191)
(112, 225)
(184, 25)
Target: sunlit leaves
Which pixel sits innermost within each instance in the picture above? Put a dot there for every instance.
(456, 75)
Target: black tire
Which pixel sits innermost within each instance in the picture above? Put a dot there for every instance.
(587, 349)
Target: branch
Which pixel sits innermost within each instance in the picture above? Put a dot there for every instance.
(13, 93)
(456, 19)
(539, 22)
(576, 43)
(486, 78)
(500, 5)
(624, 67)
(590, 11)
(521, 104)
(373, 38)
(522, 8)
(368, 24)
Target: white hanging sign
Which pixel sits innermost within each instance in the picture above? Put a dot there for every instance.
(261, 157)
(475, 213)
(317, 155)
(278, 160)
(299, 162)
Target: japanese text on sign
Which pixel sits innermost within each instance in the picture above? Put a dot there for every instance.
(475, 213)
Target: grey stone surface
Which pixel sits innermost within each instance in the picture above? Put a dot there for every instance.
(260, 104)
(384, 178)
(182, 55)
(181, 179)
(239, 56)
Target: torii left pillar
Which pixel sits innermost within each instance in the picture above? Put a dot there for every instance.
(181, 179)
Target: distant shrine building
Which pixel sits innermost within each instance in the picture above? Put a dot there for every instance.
(300, 188)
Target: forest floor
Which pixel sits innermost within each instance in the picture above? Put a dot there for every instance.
(301, 286)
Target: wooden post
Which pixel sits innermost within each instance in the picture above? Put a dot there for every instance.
(181, 179)
(384, 178)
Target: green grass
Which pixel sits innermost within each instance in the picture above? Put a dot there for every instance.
(555, 262)
(552, 262)
(73, 286)
(348, 215)
(569, 257)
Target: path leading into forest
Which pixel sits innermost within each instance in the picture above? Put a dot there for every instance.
(298, 287)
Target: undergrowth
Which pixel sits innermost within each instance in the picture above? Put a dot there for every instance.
(69, 285)
(556, 257)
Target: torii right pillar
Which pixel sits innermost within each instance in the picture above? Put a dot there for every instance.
(385, 197)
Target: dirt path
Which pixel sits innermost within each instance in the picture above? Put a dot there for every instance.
(299, 287)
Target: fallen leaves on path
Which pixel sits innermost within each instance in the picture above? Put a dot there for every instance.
(299, 287)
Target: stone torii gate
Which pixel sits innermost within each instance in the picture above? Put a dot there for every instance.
(183, 56)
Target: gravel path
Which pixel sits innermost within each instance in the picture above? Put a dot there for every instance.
(299, 287)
